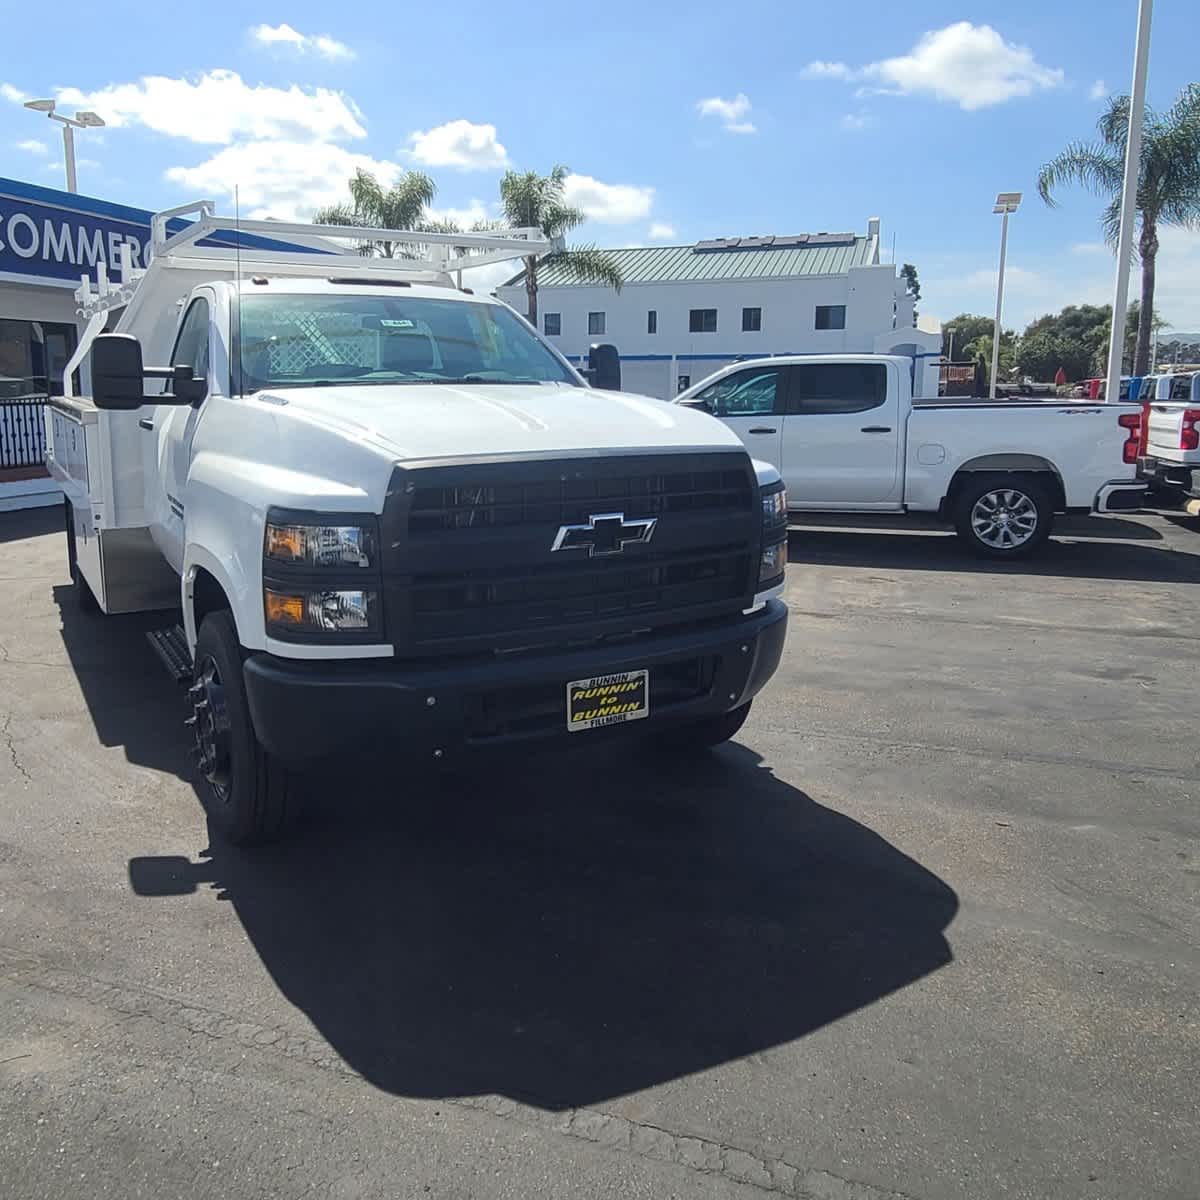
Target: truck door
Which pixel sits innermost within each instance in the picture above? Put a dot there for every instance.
(750, 402)
(842, 435)
(167, 444)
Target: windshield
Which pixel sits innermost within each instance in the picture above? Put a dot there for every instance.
(309, 340)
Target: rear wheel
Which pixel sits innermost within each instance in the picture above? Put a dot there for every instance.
(705, 731)
(1003, 516)
(85, 598)
(247, 793)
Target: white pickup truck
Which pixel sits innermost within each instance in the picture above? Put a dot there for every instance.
(392, 514)
(848, 437)
(1171, 462)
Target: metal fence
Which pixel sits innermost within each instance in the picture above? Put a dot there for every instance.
(22, 431)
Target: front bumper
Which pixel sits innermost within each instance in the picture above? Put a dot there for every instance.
(308, 709)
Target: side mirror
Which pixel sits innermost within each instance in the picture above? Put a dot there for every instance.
(604, 367)
(117, 372)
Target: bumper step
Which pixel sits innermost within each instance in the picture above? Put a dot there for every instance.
(171, 646)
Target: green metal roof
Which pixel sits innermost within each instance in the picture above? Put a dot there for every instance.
(679, 264)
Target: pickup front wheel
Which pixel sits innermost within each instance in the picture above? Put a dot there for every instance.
(1003, 516)
(246, 792)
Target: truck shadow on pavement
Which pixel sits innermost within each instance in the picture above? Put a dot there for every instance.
(563, 930)
(1114, 554)
(558, 928)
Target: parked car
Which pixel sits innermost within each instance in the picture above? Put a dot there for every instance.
(1171, 462)
(847, 436)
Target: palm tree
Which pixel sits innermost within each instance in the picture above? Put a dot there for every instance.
(1168, 191)
(538, 201)
(402, 206)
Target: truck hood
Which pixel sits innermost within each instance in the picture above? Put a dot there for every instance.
(429, 421)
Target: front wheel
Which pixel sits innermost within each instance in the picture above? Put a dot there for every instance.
(247, 793)
(1003, 516)
(704, 732)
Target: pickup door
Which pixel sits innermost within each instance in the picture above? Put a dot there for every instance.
(842, 434)
(752, 403)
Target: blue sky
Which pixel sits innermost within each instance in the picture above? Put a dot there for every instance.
(679, 121)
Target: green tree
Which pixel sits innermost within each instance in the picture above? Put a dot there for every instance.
(538, 201)
(372, 206)
(912, 283)
(1069, 339)
(965, 328)
(980, 350)
(1168, 191)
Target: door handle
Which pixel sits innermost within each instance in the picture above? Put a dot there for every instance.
(762, 429)
(876, 429)
(146, 423)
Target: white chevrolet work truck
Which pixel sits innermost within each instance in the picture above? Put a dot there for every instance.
(848, 437)
(392, 513)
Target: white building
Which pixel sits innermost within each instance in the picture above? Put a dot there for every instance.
(685, 311)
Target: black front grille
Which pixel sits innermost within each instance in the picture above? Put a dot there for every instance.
(469, 564)
(566, 500)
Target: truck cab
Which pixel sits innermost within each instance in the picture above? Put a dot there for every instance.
(390, 511)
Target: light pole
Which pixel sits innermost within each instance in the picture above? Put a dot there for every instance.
(81, 120)
(1006, 202)
(1133, 162)
(950, 354)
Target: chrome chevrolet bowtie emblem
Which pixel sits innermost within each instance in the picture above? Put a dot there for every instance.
(604, 533)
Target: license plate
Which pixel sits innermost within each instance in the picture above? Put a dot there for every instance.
(607, 700)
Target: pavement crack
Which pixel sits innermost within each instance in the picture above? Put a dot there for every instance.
(7, 737)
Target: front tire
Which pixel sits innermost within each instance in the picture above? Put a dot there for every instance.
(1003, 516)
(704, 732)
(247, 793)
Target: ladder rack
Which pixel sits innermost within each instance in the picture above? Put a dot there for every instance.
(256, 249)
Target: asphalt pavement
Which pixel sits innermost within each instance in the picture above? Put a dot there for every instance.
(929, 929)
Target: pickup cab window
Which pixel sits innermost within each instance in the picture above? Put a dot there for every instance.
(837, 387)
(743, 394)
(303, 340)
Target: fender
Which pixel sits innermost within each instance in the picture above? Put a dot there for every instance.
(247, 616)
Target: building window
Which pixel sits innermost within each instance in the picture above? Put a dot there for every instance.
(831, 316)
(685, 382)
(702, 320)
(552, 324)
(652, 321)
(595, 324)
(32, 357)
(751, 320)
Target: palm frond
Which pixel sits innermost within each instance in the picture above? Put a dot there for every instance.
(559, 219)
(587, 264)
(1092, 166)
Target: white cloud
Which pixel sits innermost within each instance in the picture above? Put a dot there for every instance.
(608, 203)
(459, 144)
(1098, 90)
(464, 218)
(1176, 297)
(302, 43)
(278, 178)
(731, 113)
(1090, 248)
(855, 121)
(968, 65)
(33, 147)
(660, 231)
(15, 95)
(219, 107)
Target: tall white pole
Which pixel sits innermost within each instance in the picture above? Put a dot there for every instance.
(999, 303)
(1133, 158)
(69, 156)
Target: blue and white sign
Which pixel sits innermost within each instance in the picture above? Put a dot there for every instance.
(47, 236)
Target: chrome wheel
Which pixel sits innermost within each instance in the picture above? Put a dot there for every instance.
(1004, 519)
(210, 724)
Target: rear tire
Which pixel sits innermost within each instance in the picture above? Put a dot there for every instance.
(1003, 516)
(85, 598)
(705, 732)
(247, 793)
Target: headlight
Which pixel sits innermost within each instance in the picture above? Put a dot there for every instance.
(774, 505)
(773, 559)
(319, 545)
(323, 611)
